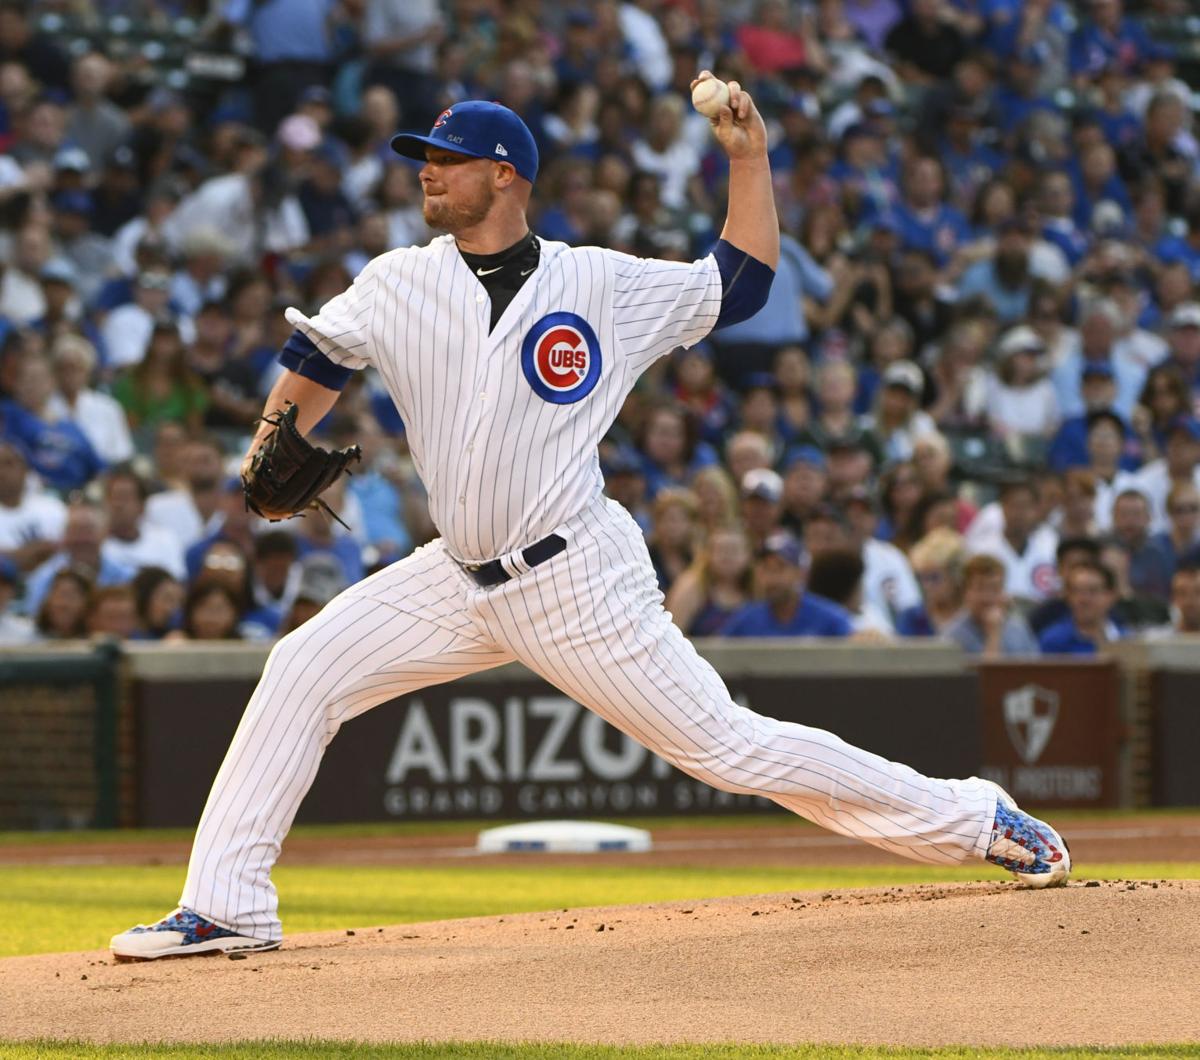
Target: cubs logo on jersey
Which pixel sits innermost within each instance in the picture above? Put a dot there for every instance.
(561, 358)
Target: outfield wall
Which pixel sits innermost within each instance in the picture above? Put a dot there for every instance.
(92, 736)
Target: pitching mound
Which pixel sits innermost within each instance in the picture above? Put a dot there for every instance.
(979, 964)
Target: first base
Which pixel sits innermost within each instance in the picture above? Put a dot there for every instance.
(562, 837)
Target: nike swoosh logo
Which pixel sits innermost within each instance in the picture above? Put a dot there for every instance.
(488, 272)
(528, 271)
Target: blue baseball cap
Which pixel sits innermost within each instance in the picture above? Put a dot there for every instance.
(479, 129)
(1188, 425)
(804, 454)
(783, 544)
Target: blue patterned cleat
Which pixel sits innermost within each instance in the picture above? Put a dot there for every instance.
(181, 933)
(1030, 849)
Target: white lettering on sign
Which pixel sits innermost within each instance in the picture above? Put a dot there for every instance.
(417, 748)
(474, 738)
(487, 742)
(545, 765)
(1057, 782)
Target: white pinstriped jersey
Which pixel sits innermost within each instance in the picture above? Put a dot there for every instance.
(503, 427)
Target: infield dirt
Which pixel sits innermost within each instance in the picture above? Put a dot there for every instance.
(978, 964)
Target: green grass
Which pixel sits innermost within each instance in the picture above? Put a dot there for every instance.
(747, 821)
(399, 828)
(494, 1051)
(47, 908)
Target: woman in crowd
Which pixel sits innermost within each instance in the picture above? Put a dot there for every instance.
(716, 498)
(161, 387)
(210, 612)
(64, 610)
(717, 584)
(1047, 316)
(672, 450)
(937, 561)
(891, 342)
(837, 383)
(159, 600)
(900, 491)
(1078, 512)
(673, 540)
(793, 375)
(702, 394)
(898, 420)
(1022, 406)
(933, 511)
(934, 463)
(112, 612)
(1165, 397)
(958, 380)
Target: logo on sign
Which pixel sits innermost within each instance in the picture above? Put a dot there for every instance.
(1030, 713)
(561, 358)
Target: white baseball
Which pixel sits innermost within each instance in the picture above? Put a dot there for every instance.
(709, 96)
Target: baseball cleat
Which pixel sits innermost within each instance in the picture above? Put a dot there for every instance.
(182, 933)
(1030, 849)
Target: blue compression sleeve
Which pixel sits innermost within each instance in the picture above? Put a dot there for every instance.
(745, 283)
(301, 355)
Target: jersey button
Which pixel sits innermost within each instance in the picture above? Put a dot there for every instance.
(479, 299)
(462, 499)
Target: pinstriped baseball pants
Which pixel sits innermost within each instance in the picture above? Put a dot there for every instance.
(590, 621)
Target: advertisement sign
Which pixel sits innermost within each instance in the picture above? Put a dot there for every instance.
(1052, 732)
(520, 748)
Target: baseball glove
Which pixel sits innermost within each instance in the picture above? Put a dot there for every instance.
(286, 475)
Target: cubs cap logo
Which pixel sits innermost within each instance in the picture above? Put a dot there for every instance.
(561, 358)
(1045, 578)
(441, 118)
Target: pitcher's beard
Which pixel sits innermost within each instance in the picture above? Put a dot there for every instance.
(458, 217)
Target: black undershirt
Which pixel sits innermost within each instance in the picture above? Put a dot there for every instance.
(504, 273)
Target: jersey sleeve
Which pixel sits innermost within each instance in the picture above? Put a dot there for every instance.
(342, 329)
(659, 305)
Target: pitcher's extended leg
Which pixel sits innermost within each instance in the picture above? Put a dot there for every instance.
(363, 649)
(591, 622)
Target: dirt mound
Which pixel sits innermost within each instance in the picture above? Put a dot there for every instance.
(978, 964)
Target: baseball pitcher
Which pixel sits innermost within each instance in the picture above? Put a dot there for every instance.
(508, 358)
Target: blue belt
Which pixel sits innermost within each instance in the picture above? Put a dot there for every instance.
(493, 572)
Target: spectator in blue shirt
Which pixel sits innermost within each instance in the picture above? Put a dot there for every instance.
(1004, 279)
(1090, 594)
(786, 609)
(1183, 248)
(1056, 207)
(926, 222)
(293, 48)
(1018, 98)
(1107, 38)
(1098, 387)
(58, 451)
(1096, 180)
(1149, 565)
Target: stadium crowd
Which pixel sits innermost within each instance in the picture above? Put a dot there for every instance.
(968, 409)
